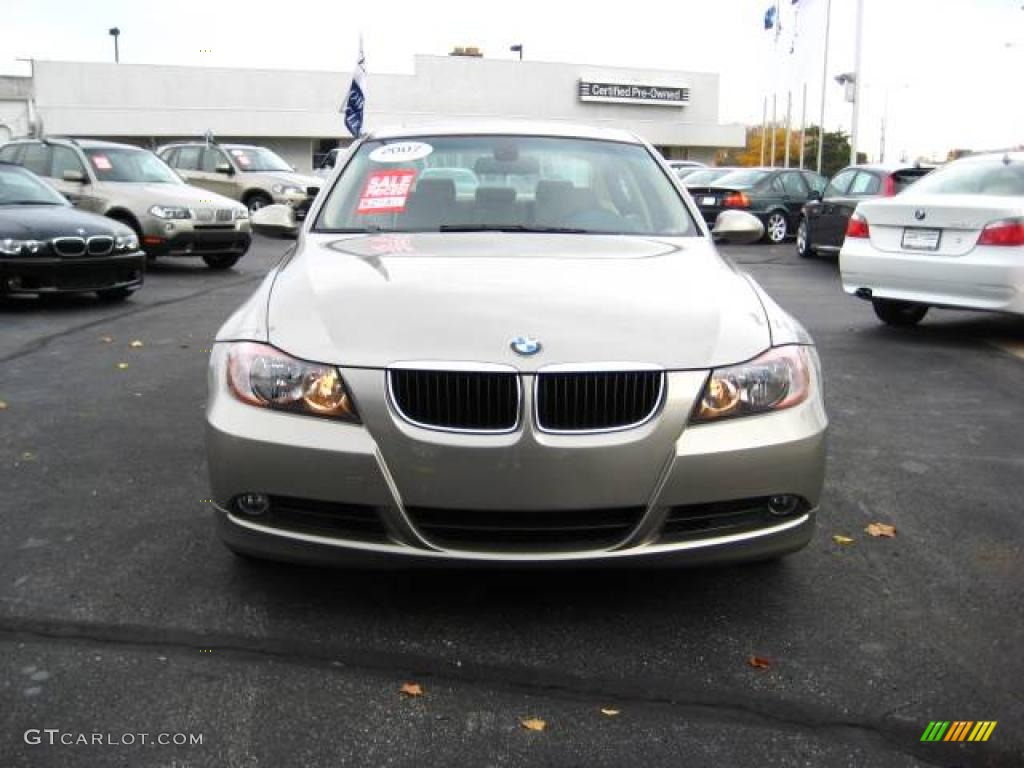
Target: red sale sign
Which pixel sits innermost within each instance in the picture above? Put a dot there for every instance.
(386, 191)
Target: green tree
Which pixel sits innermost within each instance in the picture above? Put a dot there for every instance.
(836, 153)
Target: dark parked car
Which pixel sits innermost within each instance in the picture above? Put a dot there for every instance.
(47, 246)
(775, 195)
(822, 225)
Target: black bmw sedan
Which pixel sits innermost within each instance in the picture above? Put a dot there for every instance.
(47, 246)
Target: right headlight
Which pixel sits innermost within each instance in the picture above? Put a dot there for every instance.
(778, 379)
(262, 375)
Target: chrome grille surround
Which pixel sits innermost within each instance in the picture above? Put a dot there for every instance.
(648, 382)
(401, 376)
(225, 215)
(69, 246)
(99, 245)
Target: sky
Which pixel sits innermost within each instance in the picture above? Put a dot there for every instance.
(940, 73)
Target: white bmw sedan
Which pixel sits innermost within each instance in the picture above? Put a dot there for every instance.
(953, 239)
(555, 367)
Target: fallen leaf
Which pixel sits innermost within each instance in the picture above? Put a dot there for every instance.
(28, 456)
(3, 405)
(411, 689)
(106, 339)
(610, 712)
(881, 529)
(533, 724)
(758, 662)
(842, 539)
(135, 344)
(122, 366)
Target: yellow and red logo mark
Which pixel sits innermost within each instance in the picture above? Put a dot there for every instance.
(958, 730)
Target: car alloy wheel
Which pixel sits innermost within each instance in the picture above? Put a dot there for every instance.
(256, 202)
(803, 243)
(777, 228)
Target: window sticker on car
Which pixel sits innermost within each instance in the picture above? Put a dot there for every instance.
(386, 191)
(102, 162)
(242, 159)
(401, 152)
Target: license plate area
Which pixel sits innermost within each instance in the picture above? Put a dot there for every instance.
(919, 239)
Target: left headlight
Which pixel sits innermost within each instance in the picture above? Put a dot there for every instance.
(125, 243)
(778, 379)
(287, 189)
(261, 375)
(11, 247)
(171, 212)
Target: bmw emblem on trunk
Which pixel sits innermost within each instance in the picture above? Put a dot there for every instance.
(524, 345)
(919, 214)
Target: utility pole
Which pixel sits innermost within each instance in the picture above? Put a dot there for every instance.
(824, 80)
(856, 82)
(775, 113)
(789, 122)
(115, 33)
(764, 127)
(803, 127)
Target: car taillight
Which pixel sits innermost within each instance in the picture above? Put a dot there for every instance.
(857, 226)
(736, 200)
(889, 187)
(1003, 232)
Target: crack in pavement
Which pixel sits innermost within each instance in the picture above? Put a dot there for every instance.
(757, 710)
(43, 341)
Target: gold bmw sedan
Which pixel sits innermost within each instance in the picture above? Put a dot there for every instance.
(499, 344)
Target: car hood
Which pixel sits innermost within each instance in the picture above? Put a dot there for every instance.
(42, 222)
(281, 177)
(378, 300)
(171, 194)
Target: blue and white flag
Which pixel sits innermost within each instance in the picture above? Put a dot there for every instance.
(769, 17)
(356, 95)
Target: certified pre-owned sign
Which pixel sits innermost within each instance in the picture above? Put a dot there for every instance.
(634, 93)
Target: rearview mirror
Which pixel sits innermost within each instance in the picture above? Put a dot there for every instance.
(737, 228)
(275, 221)
(225, 168)
(75, 176)
(814, 196)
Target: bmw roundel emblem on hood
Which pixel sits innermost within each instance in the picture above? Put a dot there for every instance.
(525, 345)
(919, 214)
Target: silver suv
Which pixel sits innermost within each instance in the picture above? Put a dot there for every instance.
(255, 176)
(135, 187)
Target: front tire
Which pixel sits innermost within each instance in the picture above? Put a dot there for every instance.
(776, 227)
(902, 314)
(804, 249)
(221, 261)
(257, 200)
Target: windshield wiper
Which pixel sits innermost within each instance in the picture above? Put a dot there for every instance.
(510, 228)
(32, 202)
(369, 229)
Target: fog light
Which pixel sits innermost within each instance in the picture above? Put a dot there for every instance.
(14, 283)
(783, 506)
(252, 504)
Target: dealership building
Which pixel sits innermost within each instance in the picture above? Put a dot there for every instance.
(296, 113)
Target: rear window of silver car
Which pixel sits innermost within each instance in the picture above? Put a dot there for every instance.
(526, 183)
(988, 176)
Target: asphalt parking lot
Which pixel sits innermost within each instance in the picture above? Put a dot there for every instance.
(120, 613)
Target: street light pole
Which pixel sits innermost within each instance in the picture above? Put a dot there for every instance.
(114, 32)
(824, 79)
(517, 48)
(856, 82)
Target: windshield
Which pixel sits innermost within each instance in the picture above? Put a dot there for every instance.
(258, 159)
(518, 183)
(741, 178)
(123, 164)
(19, 187)
(706, 176)
(990, 176)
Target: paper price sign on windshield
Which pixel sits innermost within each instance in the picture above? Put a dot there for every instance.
(386, 191)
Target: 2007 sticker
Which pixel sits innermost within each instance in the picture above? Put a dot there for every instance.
(401, 152)
(386, 191)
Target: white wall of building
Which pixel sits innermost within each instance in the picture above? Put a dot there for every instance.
(280, 107)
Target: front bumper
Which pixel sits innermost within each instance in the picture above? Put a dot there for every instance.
(184, 238)
(989, 278)
(390, 470)
(32, 275)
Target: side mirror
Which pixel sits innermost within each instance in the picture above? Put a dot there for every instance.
(814, 196)
(737, 228)
(275, 221)
(75, 176)
(225, 168)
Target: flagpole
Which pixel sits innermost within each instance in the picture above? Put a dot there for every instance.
(803, 126)
(824, 81)
(856, 82)
(764, 126)
(775, 119)
(789, 122)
